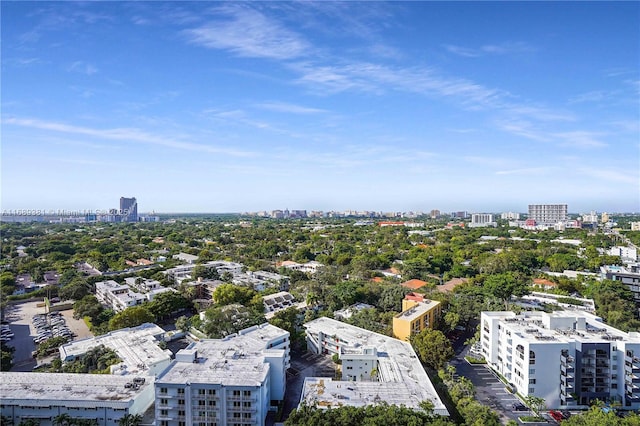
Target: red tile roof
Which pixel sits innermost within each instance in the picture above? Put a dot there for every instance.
(414, 284)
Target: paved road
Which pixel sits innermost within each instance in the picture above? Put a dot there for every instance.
(490, 390)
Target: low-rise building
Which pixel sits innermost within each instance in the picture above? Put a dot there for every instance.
(117, 296)
(225, 381)
(349, 311)
(568, 358)
(137, 347)
(274, 303)
(43, 397)
(185, 257)
(417, 314)
(375, 369)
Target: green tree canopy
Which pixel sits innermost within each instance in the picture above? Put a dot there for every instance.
(433, 348)
(131, 317)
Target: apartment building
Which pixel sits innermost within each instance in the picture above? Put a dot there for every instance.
(482, 219)
(137, 347)
(41, 397)
(417, 314)
(118, 296)
(569, 358)
(230, 381)
(548, 214)
(375, 368)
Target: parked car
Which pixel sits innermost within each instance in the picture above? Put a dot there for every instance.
(519, 406)
(556, 415)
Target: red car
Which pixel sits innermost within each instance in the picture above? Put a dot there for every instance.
(556, 415)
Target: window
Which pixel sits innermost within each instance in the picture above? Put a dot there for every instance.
(182, 423)
(532, 371)
(211, 391)
(163, 390)
(236, 393)
(236, 415)
(181, 402)
(164, 401)
(236, 403)
(200, 391)
(201, 402)
(164, 423)
(180, 412)
(532, 381)
(180, 391)
(246, 415)
(246, 404)
(164, 412)
(212, 403)
(247, 393)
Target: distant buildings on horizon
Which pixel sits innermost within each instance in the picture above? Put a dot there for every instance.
(539, 216)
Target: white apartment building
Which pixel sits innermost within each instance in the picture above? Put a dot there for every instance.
(510, 216)
(548, 214)
(308, 267)
(569, 358)
(482, 219)
(144, 285)
(44, 396)
(375, 368)
(137, 348)
(183, 272)
(629, 254)
(229, 381)
(118, 296)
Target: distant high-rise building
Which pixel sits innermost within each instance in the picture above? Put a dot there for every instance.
(510, 216)
(129, 209)
(605, 217)
(548, 213)
(435, 213)
(482, 219)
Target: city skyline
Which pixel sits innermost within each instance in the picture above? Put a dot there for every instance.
(234, 107)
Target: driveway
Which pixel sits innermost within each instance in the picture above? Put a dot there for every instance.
(490, 391)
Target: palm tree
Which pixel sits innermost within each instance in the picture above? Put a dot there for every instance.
(62, 420)
(130, 420)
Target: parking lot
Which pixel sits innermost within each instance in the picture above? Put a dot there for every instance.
(490, 390)
(20, 317)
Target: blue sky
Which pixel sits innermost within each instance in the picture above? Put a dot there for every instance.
(223, 107)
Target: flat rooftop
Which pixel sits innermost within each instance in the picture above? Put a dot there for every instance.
(418, 310)
(75, 390)
(237, 360)
(559, 326)
(402, 379)
(137, 347)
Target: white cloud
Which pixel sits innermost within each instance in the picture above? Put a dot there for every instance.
(124, 134)
(505, 48)
(290, 108)
(248, 33)
(83, 68)
(580, 139)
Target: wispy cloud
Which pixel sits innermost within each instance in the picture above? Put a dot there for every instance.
(505, 48)
(626, 176)
(580, 139)
(22, 62)
(124, 134)
(525, 171)
(289, 108)
(83, 68)
(249, 33)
